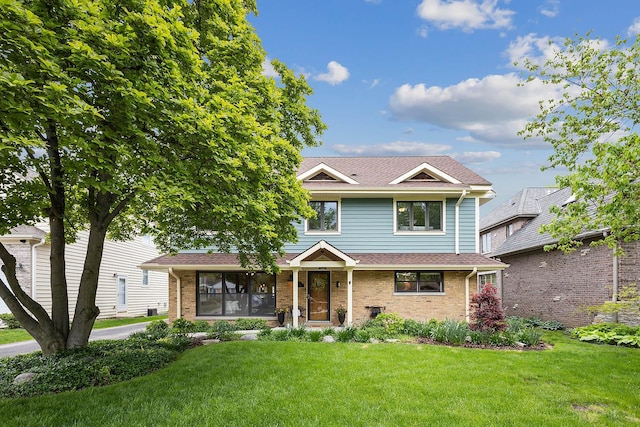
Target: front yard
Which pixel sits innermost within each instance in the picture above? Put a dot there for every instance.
(271, 383)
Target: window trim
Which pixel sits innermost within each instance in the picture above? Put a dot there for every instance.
(485, 240)
(443, 217)
(145, 277)
(309, 232)
(442, 290)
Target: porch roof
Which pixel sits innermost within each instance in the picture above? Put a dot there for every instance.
(365, 261)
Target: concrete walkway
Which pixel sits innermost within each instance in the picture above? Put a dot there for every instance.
(116, 333)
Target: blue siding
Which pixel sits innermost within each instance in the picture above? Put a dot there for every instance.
(367, 226)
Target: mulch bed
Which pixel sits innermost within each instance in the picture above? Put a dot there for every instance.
(540, 346)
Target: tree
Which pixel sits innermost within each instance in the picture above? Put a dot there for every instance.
(487, 314)
(593, 130)
(143, 117)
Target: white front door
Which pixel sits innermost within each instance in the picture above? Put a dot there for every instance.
(122, 293)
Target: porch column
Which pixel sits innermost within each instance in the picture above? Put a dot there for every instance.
(294, 310)
(349, 296)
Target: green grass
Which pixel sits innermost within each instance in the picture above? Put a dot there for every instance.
(8, 336)
(320, 384)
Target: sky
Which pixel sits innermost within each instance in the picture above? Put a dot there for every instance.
(434, 77)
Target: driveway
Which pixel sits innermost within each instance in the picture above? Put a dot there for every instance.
(119, 332)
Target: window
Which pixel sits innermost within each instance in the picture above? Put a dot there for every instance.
(486, 243)
(235, 294)
(419, 216)
(145, 277)
(509, 230)
(326, 218)
(487, 279)
(419, 281)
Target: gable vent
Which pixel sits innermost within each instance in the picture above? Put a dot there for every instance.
(423, 177)
(322, 176)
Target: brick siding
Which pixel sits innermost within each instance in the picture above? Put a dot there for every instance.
(22, 253)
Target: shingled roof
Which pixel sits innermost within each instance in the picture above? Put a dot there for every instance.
(380, 172)
(523, 204)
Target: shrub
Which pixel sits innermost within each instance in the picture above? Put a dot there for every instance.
(529, 336)
(157, 329)
(182, 326)
(10, 321)
(362, 335)
(314, 336)
(609, 333)
(201, 326)
(486, 311)
(392, 323)
(245, 324)
(346, 334)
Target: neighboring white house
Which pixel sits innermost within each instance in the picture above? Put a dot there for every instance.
(124, 290)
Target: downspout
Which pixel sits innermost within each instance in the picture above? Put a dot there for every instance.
(466, 292)
(614, 297)
(33, 268)
(178, 293)
(458, 203)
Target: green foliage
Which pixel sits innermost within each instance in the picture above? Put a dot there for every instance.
(628, 301)
(450, 331)
(415, 328)
(592, 123)
(148, 117)
(182, 326)
(346, 334)
(248, 324)
(609, 333)
(314, 336)
(100, 363)
(10, 321)
(392, 323)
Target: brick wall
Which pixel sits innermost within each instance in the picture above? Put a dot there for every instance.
(370, 288)
(556, 286)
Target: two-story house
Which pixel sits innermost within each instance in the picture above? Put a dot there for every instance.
(553, 285)
(395, 234)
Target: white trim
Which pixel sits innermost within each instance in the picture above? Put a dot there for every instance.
(347, 261)
(443, 217)
(337, 232)
(329, 171)
(426, 167)
(121, 307)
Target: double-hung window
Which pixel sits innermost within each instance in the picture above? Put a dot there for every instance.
(419, 282)
(326, 218)
(418, 216)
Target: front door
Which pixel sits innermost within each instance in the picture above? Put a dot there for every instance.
(318, 291)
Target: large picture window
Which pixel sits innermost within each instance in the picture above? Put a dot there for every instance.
(418, 216)
(419, 281)
(326, 218)
(236, 294)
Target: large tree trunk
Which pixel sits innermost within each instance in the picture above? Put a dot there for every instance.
(86, 310)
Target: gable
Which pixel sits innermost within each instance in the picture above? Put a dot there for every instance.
(324, 173)
(425, 173)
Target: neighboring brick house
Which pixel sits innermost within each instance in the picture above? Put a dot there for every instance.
(396, 234)
(550, 284)
(123, 289)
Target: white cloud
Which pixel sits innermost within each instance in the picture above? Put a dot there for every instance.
(268, 70)
(397, 148)
(423, 31)
(476, 157)
(492, 109)
(336, 74)
(373, 1)
(551, 9)
(634, 28)
(467, 15)
(371, 83)
(538, 50)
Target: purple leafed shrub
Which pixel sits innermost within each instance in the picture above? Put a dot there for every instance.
(487, 314)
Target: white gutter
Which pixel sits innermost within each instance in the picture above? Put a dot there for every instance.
(33, 268)
(178, 293)
(466, 292)
(614, 297)
(464, 193)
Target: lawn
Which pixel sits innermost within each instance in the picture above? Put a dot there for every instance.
(299, 384)
(8, 336)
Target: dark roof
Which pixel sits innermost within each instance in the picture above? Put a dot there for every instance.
(529, 237)
(378, 172)
(366, 260)
(522, 204)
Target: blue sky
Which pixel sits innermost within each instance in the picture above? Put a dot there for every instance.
(433, 77)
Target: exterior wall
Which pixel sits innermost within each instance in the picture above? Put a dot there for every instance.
(500, 234)
(119, 258)
(370, 288)
(367, 226)
(556, 286)
(22, 253)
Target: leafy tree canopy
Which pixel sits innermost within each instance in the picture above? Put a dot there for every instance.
(593, 128)
(143, 116)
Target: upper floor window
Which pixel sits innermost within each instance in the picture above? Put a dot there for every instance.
(419, 281)
(486, 243)
(509, 230)
(418, 216)
(326, 218)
